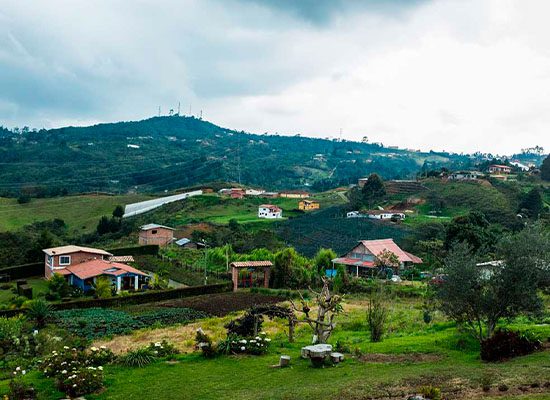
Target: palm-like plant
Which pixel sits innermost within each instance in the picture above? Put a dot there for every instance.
(38, 310)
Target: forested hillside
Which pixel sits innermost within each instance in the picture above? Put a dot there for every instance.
(173, 152)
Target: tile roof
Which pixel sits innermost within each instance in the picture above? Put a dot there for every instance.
(271, 207)
(93, 268)
(246, 264)
(378, 246)
(122, 259)
(74, 249)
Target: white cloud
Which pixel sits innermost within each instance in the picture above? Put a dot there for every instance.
(460, 75)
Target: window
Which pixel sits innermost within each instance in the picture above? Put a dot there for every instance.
(154, 231)
(50, 260)
(64, 260)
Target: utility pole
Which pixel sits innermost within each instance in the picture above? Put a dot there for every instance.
(227, 258)
(205, 262)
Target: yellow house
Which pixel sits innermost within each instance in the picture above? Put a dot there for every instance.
(306, 205)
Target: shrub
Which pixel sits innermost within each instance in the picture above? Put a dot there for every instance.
(504, 344)
(18, 389)
(138, 358)
(58, 287)
(100, 356)
(204, 344)
(256, 345)
(103, 288)
(163, 349)
(377, 314)
(431, 392)
(81, 381)
(38, 310)
(245, 326)
(342, 346)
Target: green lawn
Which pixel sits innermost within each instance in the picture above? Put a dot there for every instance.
(80, 213)
(39, 286)
(451, 363)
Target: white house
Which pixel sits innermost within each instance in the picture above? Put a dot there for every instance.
(385, 214)
(254, 192)
(269, 211)
(466, 176)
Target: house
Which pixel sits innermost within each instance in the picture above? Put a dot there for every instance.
(499, 169)
(385, 215)
(59, 258)
(254, 192)
(237, 193)
(269, 211)
(270, 195)
(156, 234)
(294, 194)
(465, 176)
(306, 205)
(186, 243)
(354, 214)
(362, 259)
(122, 276)
(361, 182)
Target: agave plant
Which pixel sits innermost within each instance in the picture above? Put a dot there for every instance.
(39, 311)
(138, 358)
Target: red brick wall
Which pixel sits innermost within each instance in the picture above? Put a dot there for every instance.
(162, 236)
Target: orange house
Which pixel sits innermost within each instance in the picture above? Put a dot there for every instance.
(57, 259)
(306, 205)
(156, 234)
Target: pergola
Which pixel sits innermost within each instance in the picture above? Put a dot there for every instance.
(251, 266)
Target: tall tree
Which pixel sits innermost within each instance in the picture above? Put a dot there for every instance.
(545, 169)
(478, 298)
(373, 190)
(472, 229)
(532, 204)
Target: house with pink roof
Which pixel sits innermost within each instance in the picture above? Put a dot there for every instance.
(361, 260)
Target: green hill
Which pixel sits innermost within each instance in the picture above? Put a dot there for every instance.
(173, 152)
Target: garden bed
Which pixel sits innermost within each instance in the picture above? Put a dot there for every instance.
(218, 304)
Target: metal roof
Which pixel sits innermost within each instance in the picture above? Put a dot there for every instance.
(154, 226)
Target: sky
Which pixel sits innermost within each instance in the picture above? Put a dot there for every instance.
(454, 75)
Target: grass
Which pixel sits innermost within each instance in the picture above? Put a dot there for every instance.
(39, 286)
(80, 213)
(450, 361)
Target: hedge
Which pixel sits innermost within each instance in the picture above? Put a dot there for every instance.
(138, 298)
(149, 249)
(24, 271)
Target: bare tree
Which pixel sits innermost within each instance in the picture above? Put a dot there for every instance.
(328, 307)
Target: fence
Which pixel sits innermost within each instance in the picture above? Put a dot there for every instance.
(139, 298)
(22, 271)
(219, 274)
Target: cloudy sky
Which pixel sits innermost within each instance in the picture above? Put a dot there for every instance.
(459, 75)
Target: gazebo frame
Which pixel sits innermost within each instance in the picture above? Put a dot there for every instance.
(256, 265)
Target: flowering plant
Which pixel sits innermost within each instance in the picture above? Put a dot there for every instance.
(163, 349)
(255, 345)
(81, 381)
(18, 389)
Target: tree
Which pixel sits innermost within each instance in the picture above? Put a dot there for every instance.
(328, 307)
(545, 169)
(478, 298)
(118, 212)
(532, 205)
(377, 315)
(58, 286)
(103, 287)
(472, 229)
(385, 261)
(38, 310)
(323, 259)
(373, 190)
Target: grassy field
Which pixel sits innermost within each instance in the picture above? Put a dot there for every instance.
(221, 210)
(39, 286)
(413, 354)
(80, 213)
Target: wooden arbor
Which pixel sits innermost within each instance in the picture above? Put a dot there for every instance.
(246, 280)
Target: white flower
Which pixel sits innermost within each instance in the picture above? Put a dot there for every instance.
(94, 349)
(35, 332)
(64, 371)
(103, 347)
(258, 338)
(243, 348)
(157, 344)
(267, 339)
(66, 347)
(252, 341)
(23, 372)
(100, 368)
(243, 341)
(18, 369)
(74, 385)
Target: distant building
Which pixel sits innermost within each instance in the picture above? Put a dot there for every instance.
(354, 214)
(385, 215)
(269, 211)
(499, 169)
(294, 194)
(254, 192)
(465, 176)
(307, 205)
(270, 195)
(237, 193)
(361, 182)
(186, 243)
(156, 234)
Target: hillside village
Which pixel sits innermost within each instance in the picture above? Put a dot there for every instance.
(225, 276)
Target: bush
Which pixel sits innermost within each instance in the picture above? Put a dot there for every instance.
(377, 314)
(431, 392)
(103, 287)
(253, 345)
(100, 356)
(504, 344)
(58, 287)
(163, 349)
(138, 358)
(39, 311)
(18, 389)
(245, 326)
(204, 344)
(81, 381)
